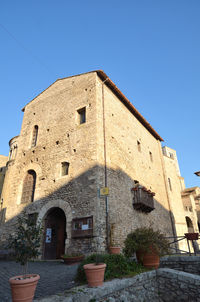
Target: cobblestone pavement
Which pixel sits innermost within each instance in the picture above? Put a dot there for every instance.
(55, 277)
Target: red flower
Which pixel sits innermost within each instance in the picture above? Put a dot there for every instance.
(134, 189)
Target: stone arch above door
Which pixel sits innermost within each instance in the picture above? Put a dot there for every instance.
(64, 205)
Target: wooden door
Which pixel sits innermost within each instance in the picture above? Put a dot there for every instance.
(54, 237)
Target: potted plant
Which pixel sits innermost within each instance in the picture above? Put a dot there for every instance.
(72, 258)
(148, 245)
(25, 244)
(114, 249)
(192, 236)
(95, 272)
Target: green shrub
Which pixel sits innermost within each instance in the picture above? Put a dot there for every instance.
(143, 239)
(116, 266)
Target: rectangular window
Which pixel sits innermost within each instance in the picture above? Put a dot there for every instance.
(64, 168)
(139, 146)
(151, 156)
(170, 185)
(34, 136)
(82, 115)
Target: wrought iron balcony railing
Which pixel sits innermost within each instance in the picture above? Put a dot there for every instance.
(143, 200)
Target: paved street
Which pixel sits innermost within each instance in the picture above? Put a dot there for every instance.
(55, 277)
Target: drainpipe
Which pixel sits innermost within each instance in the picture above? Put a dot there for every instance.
(105, 166)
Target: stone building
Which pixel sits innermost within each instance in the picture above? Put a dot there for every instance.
(81, 138)
(191, 198)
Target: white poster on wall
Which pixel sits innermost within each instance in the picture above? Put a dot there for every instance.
(85, 227)
(48, 235)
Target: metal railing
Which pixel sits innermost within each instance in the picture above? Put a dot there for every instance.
(177, 239)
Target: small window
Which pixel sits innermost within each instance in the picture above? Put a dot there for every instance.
(171, 155)
(82, 115)
(34, 136)
(139, 146)
(170, 185)
(151, 155)
(29, 187)
(64, 168)
(10, 154)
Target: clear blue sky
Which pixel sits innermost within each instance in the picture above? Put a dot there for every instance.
(149, 48)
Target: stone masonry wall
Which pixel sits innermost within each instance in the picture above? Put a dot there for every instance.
(60, 138)
(3, 160)
(176, 286)
(126, 163)
(189, 264)
(162, 285)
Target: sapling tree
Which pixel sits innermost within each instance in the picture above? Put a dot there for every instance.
(25, 242)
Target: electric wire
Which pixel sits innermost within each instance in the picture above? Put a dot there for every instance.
(26, 49)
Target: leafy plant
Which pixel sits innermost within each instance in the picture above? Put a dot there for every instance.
(144, 239)
(99, 259)
(116, 266)
(26, 241)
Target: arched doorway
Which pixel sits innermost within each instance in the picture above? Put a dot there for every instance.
(55, 234)
(189, 224)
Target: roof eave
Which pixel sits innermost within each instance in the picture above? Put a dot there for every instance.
(102, 75)
(127, 103)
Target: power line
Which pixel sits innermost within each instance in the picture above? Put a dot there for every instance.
(26, 49)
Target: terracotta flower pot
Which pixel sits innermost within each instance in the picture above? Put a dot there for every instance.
(192, 236)
(95, 274)
(115, 249)
(24, 289)
(139, 256)
(72, 260)
(150, 259)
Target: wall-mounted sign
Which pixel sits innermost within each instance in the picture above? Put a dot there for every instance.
(104, 191)
(48, 235)
(82, 227)
(85, 227)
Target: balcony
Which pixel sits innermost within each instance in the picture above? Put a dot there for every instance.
(143, 199)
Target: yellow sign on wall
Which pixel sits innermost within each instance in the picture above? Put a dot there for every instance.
(104, 191)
